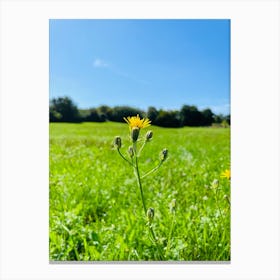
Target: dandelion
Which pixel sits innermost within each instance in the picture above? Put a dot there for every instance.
(226, 174)
(137, 122)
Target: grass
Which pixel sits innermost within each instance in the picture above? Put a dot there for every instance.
(95, 205)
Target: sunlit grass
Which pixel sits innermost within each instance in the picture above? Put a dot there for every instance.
(95, 207)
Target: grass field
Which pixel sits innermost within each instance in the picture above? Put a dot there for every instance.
(95, 205)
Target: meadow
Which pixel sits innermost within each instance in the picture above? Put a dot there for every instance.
(95, 208)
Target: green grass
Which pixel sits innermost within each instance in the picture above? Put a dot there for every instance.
(95, 205)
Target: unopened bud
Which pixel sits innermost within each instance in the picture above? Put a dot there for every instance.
(163, 155)
(149, 135)
(150, 214)
(135, 133)
(173, 205)
(118, 142)
(215, 184)
(130, 151)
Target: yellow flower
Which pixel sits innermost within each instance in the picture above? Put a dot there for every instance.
(226, 174)
(137, 122)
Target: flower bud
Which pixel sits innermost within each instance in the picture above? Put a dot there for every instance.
(215, 184)
(172, 205)
(163, 155)
(130, 151)
(149, 135)
(118, 142)
(150, 214)
(135, 133)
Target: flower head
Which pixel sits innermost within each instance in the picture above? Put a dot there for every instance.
(163, 155)
(150, 214)
(226, 174)
(135, 133)
(137, 122)
(149, 135)
(130, 151)
(117, 142)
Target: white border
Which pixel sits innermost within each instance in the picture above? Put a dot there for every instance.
(255, 137)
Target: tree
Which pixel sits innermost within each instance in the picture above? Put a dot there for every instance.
(63, 109)
(207, 117)
(93, 116)
(119, 112)
(190, 116)
(218, 118)
(152, 114)
(168, 119)
(104, 112)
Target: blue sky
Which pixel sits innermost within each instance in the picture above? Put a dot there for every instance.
(141, 63)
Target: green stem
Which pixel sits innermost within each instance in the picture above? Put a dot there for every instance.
(140, 150)
(227, 199)
(155, 241)
(136, 168)
(125, 158)
(218, 205)
(170, 235)
(152, 170)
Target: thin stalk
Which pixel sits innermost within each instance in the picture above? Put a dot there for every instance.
(227, 199)
(170, 235)
(125, 158)
(136, 168)
(218, 205)
(155, 241)
(140, 150)
(152, 170)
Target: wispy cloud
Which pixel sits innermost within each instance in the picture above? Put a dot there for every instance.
(99, 63)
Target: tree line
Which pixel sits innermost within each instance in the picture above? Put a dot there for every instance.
(63, 109)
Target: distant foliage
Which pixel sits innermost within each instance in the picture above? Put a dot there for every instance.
(168, 119)
(119, 112)
(152, 114)
(63, 109)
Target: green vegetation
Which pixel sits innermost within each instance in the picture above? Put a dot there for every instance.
(95, 206)
(63, 109)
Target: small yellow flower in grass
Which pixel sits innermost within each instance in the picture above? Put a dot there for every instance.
(137, 122)
(226, 174)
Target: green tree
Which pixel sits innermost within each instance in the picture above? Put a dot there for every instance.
(152, 114)
(168, 119)
(93, 116)
(119, 112)
(190, 116)
(104, 112)
(207, 117)
(63, 109)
